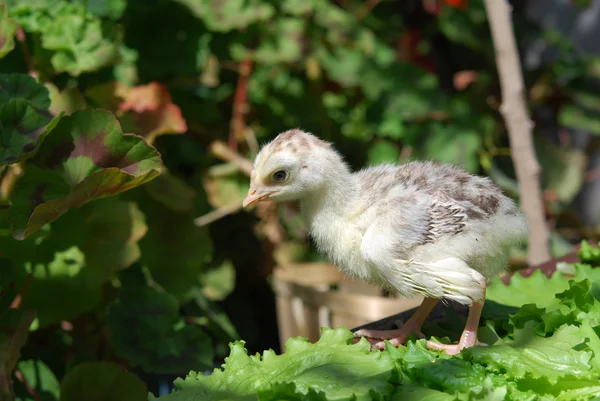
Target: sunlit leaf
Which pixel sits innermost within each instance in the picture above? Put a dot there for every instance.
(80, 44)
(219, 281)
(152, 110)
(229, 14)
(41, 378)
(86, 158)
(8, 28)
(60, 272)
(341, 371)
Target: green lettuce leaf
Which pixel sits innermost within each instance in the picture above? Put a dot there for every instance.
(331, 366)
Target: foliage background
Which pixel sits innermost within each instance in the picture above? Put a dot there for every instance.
(130, 279)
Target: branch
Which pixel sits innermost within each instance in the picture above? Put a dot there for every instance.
(240, 104)
(520, 127)
(218, 214)
(27, 385)
(225, 153)
(25, 50)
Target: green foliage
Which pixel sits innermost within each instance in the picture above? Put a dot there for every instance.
(330, 365)
(87, 158)
(24, 119)
(547, 355)
(102, 381)
(108, 109)
(8, 28)
(148, 331)
(77, 40)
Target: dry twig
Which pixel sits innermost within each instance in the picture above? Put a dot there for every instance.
(240, 104)
(519, 126)
(223, 152)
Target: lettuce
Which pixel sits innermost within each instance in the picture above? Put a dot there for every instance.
(549, 349)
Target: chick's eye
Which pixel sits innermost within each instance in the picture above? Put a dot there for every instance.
(279, 175)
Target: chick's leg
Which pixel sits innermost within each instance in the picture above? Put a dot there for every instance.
(399, 336)
(468, 337)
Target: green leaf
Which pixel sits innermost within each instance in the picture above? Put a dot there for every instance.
(80, 44)
(22, 86)
(530, 356)
(468, 27)
(32, 15)
(8, 28)
(41, 378)
(226, 15)
(452, 144)
(64, 276)
(148, 331)
(172, 191)
(435, 370)
(107, 8)
(288, 392)
(574, 116)
(283, 45)
(524, 290)
(341, 371)
(382, 152)
(106, 231)
(22, 130)
(219, 281)
(414, 392)
(186, 250)
(588, 253)
(24, 118)
(86, 158)
(102, 381)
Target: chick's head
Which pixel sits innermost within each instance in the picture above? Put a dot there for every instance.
(288, 168)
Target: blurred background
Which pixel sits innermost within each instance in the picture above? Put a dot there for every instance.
(174, 269)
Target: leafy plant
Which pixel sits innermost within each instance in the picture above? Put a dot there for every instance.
(547, 353)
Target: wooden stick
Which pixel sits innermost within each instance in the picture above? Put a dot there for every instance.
(217, 214)
(514, 112)
(223, 152)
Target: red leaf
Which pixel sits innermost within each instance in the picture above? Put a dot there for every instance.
(460, 4)
(151, 108)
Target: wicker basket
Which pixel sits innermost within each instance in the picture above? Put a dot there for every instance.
(315, 295)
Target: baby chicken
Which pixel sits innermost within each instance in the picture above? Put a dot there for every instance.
(421, 228)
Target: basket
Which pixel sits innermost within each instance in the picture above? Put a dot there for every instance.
(315, 295)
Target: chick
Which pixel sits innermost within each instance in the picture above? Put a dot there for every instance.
(423, 228)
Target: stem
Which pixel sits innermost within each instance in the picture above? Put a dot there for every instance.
(519, 124)
(225, 153)
(28, 386)
(25, 50)
(17, 301)
(240, 104)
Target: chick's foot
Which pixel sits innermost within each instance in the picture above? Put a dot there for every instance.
(469, 334)
(399, 336)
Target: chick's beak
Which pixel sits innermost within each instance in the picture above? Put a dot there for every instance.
(257, 194)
